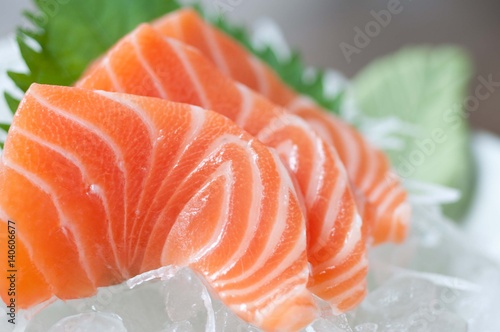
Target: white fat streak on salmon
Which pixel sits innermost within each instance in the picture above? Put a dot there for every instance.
(333, 282)
(215, 50)
(260, 73)
(247, 105)
(3, 216)
(287, 148)
(256, 204)
(284, 292)
(274, 241)
(65, 225)
(119, 158)
(176, 19)
(316, 177)
(388, 199)
(289, 289)
(276, 231)
(225, 171)
(111, 73)
(298, 103)
(197, 123)
(403, 214)
(352, 144)
(368, 176)
(348, 140)
(153, 133)
(316, 182)
(151, 73)
(382, 188)
(85, 179)
(349, 246)
(179, 50)
(346, 295)
(330, 218)
(321, 130)
(214, 149)
(383, 208)
(289, 155)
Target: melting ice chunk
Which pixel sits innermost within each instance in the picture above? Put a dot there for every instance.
(165, 300)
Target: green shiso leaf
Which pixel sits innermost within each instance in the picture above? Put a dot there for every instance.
(71, 34)
(425, 87)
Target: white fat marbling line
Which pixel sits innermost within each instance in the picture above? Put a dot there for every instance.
(352, 239)
(225, 171)
(215, 50)
(145, 64)
(275, 240)
(257, 196)
(119, 158)
(67, 227)
(330, 217)
(254, 217)
(182, 55)
(260, 73)
(197, 123)
(111, 73)
(153, 133)
(247, 105)
(333, 282)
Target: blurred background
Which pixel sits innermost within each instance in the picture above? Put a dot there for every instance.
(318, 27)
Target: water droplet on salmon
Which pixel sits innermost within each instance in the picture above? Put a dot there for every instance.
(94, 189)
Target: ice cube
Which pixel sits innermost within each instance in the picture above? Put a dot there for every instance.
(397, 298)
(183, 298)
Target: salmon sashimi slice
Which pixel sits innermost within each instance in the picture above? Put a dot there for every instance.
(204, 193)
(146, 63)
(383, 201)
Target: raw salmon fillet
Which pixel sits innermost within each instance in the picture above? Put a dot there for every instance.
(93, 179)
(146, 63)
(383, 201)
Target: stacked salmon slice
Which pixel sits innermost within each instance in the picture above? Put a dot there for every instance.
(270, 198)
(383, 201)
